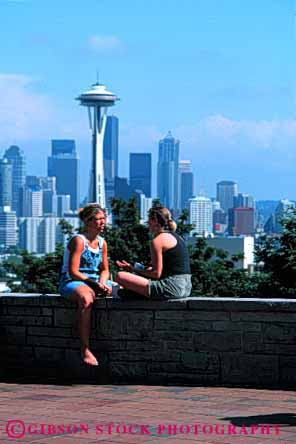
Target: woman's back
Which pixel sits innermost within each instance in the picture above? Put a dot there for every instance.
(175, 258)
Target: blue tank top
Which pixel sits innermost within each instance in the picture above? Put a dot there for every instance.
(90, 258)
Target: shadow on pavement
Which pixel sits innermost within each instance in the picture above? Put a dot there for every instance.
(280, 419)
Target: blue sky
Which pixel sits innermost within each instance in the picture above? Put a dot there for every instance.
(218, 73)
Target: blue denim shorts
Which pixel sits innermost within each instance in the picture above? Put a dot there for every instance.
(67, 285)
(172, 287)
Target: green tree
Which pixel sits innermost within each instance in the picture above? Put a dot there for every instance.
(277, 257)
(183, 227)
(126, 239)
(214, 273)
(66, 228)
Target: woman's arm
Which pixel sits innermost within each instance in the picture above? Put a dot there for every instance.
(153, 272)
(104, 266)
(76, 247)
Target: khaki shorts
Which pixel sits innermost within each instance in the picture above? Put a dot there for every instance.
(172, 287)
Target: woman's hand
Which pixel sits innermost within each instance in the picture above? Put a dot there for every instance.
(99, 288)
(125, 265)
(104, 290)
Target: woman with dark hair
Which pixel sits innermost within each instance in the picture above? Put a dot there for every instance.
(85, 272)
(169, 275)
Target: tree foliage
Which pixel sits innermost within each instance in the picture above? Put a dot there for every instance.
(183, 227)
(127, 239)
(277, 257)
(37, 274)
(214, 272)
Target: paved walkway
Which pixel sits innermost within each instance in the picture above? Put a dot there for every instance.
(53, 414)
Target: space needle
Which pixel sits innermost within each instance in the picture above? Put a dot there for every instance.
(97, 100)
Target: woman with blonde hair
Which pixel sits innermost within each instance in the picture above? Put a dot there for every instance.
(85, 272)
(169, 275)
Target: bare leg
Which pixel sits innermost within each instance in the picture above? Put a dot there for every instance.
(133, 282)
(84, 296)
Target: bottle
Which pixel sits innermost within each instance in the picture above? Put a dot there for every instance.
(139, 266)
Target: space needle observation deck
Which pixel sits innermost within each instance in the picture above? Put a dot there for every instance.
(97, 100)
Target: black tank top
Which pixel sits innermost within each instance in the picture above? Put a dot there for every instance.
(176, 259)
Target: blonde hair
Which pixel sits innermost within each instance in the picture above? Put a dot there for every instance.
(163, 217)
(89, 211)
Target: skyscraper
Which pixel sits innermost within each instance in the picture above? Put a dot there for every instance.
(201, 215)
(31, 201)
(16, 157)
(226, 191)
(140, 172)
(110, 154)
(244, 201)
(145, 205)
(122, 189)
(5, 184)
(241, 221)
(62, 204)
(273, 224)
(167, 171)
(40, 234)
(64, 165)
(186, 182)
(8, 229)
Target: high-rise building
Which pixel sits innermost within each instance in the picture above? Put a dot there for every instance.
(145, 205)
(122, 188)
(40, 234)
(226, 192)
(48, 183)
(33, 181)
(241, 221)
(273, 223)
(37, 234)
(48, 187)
(64, 165)
(110, 155)
(201, 215)
(219, 218)
(28, 233)
(5, 184)
(31, 201)
(244, 200)
(63, 204)
(47, 235)
(49, 199)
(186, 181)
(140, 172)
(168, 172)
(63, 146)
(16, 157)
(8, 229)
(219, 221)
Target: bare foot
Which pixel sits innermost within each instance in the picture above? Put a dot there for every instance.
(88, 357)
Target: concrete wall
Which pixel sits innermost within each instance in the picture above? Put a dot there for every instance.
(210, 341)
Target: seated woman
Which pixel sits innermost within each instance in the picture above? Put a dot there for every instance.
(85, 272)
(169, 275)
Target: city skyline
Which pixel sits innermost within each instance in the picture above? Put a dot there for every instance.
(43, 200)
(63, 154)
(217, 76)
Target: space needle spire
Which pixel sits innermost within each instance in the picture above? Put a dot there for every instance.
(97, 100)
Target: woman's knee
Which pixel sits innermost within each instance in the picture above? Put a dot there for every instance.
(121, 277)
(85, 297)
